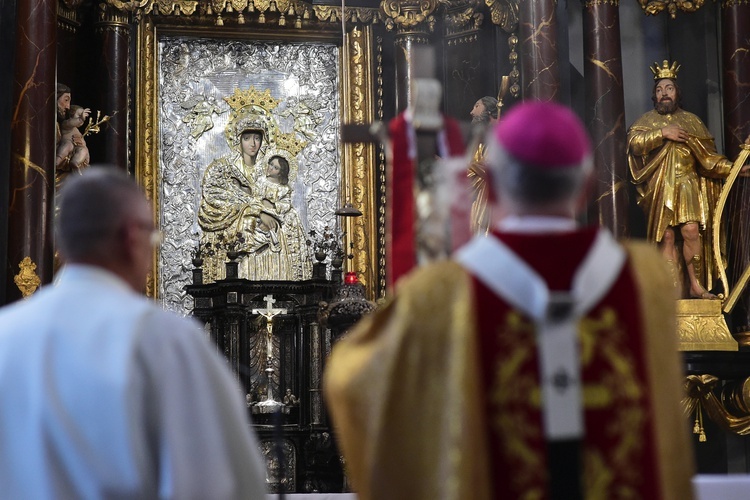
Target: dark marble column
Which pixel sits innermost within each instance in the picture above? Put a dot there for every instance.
(412, 20)
(736, 66)
(537, 31)
(32, 176)
(7, 80)
(113, 84)
(735, 17)
(605, 114)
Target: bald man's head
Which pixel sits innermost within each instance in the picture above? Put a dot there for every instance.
(104, 219)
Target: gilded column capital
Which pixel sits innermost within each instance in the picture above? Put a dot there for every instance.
(653, 7)
(67, 14)
(409, 15)
(111, 17)
(504, 13)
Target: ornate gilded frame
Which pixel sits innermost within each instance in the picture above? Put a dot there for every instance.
(360, 169)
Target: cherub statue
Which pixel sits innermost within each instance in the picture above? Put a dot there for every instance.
(69, 138)
(72, 152)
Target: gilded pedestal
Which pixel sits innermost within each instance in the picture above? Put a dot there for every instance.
(701, 326)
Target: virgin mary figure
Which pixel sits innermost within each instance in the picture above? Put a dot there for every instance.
(241, 214)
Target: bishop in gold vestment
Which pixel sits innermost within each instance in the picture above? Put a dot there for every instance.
(441, 395)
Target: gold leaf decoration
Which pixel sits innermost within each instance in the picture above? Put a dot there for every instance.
(27, 280)
(653, 7)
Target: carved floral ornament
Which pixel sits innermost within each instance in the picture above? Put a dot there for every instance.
(164, 7)
(653, 7)
(504, 13)
(464, 20)
(409, 14)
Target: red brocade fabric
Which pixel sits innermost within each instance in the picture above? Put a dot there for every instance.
(619, 447)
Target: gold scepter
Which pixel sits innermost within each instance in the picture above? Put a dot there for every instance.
(504, 86)
(94, 126)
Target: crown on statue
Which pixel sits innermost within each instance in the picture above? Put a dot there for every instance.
(252, 98)
(665, 71)
(290, 142)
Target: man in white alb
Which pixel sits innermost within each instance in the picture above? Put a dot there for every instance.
(103, 394)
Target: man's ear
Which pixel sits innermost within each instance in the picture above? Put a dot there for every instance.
(127, 241)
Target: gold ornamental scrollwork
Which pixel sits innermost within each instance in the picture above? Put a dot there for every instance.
(290, 13)
(163, 7)
(467, 20)
(408, 14)
(504, 13)
(653, 7)
(353, 14)
(701, 326)
(27, 280)
(701, 396)
(146, 164)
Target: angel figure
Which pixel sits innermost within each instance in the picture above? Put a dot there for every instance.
(198, 118)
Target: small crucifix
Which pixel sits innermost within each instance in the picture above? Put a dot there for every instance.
(269, 313)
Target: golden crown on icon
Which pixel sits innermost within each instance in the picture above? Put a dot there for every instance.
(665, 71)
(252, 97)
(290, 142)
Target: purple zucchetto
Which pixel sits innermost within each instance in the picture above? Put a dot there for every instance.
(543, 134)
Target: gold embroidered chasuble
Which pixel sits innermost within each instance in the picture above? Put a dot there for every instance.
(406, 397)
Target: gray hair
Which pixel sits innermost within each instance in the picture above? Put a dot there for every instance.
(532, 185)
(490, 106)
(91, 208)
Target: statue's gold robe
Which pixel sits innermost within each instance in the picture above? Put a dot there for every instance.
(480, 209)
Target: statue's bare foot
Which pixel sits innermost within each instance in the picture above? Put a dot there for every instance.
(698, 292)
